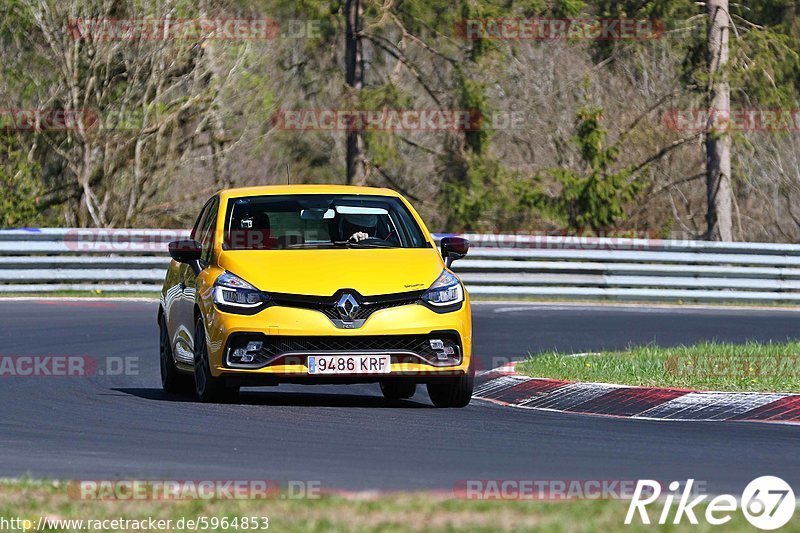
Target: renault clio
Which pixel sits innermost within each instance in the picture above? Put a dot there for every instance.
(315, 284)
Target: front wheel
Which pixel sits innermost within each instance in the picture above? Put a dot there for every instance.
(172, 381)
(456, 392)
(208, 388)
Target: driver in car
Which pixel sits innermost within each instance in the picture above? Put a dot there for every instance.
(360, 227)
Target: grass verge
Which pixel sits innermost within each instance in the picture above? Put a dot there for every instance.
(708, 366)
(371, 512)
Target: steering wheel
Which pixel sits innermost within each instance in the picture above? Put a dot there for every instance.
(375, 241)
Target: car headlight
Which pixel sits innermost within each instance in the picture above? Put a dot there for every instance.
(446, 291)
(235, 295)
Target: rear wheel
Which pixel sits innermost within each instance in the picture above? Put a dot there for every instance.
(208, 388)
(456, 392)
(398, 390)
(172, 381)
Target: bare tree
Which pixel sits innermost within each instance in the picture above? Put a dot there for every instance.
(354, 77)
(718, 142)
(156, 103)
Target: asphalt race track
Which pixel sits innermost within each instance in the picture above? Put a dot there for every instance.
(347, 437)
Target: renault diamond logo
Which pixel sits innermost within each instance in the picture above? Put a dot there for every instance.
(348, 307)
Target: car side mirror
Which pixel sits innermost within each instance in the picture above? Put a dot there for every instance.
(185, 251)
(454, 248)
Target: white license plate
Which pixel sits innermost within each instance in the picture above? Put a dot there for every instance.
(349, 364)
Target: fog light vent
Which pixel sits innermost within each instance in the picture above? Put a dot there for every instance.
(437, 344)
(247, 355)
(444, 349)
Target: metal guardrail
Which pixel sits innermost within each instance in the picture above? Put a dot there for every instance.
(507, 266)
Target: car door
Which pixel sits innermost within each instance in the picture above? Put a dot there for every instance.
(180, 314)
(205, 235)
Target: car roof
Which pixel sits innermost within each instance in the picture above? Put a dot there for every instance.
(266, 190)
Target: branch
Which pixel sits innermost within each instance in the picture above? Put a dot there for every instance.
(419, 146)
(375, 39)
(664, 151)
(419, 41)
(637, 120)
(392, 181)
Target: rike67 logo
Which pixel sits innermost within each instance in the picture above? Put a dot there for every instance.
(767, 502)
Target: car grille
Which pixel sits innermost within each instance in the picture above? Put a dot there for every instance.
(405, 348)
(327, 305)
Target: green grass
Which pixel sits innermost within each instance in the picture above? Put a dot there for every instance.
(366, 512)
(708, 366)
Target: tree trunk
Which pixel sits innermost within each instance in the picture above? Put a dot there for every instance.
(354, 76)
(718, 142)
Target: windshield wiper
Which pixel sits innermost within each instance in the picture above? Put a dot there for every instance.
(361, 244)
(311, 245)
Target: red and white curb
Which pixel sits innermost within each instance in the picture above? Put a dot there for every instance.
(504, 386)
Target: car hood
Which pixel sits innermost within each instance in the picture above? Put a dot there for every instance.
(368, 271)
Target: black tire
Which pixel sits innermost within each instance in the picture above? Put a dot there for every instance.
(398, 390)
(172, 381)
(208, 388)
(456, 392)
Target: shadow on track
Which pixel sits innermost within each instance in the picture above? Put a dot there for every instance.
(283, 399)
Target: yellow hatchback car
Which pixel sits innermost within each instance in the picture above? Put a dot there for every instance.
(315, 284)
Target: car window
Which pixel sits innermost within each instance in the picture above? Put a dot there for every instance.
(321, 221)
(207, 233)
(196, 229)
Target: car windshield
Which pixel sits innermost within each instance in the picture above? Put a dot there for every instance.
(320, 221)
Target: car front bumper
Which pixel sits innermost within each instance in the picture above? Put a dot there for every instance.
(290, 334)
